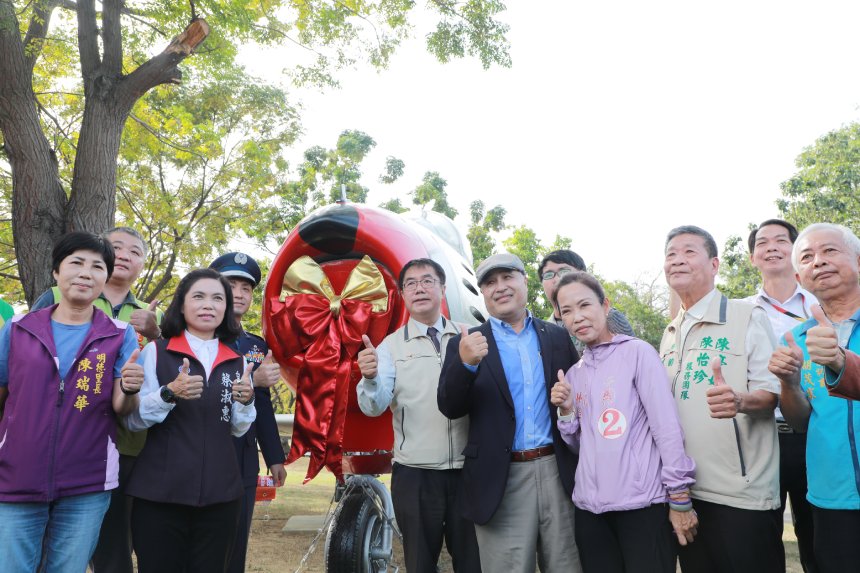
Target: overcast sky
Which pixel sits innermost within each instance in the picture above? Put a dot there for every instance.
(617, 121)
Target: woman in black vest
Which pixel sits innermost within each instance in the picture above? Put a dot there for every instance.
(196, 394)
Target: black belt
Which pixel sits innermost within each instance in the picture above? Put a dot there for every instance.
(784, 428)
(533, 454)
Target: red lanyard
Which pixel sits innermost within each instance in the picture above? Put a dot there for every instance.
(788, 312)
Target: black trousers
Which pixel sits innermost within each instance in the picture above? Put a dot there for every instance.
(427, 508)
(113, 552)
(633, 541)
(240, 547)
(732, 540)
(173, 538)
(837, 539)
(792, 484)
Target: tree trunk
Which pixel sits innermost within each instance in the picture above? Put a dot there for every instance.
(38, 199)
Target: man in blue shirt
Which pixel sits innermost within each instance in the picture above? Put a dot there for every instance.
(517, 474)
(811, 367)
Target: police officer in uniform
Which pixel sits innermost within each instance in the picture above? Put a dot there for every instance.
(244, 275)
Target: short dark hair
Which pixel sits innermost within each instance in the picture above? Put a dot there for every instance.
(792, 232)
(128, 231)
(440, 272)
(710, 243)
(82, 241)
(173, 323)
(561, 257)
(583, 278)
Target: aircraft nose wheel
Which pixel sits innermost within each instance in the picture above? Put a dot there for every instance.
(359, 537)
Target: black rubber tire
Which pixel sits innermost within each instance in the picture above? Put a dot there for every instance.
(356, 527)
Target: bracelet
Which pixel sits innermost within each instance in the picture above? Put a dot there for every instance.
(682, 507)
(127, 392)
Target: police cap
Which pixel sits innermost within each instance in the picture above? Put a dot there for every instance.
(238, 265)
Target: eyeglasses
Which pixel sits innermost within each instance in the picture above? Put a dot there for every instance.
(549, 275)
(411, 285)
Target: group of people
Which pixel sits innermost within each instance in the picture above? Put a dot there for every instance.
(123, 428)
(568, 444)
(564, 444)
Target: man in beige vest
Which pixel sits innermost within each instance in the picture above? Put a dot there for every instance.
(402, 374)
(716, 352)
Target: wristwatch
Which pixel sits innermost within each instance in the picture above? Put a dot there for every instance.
(167, 395)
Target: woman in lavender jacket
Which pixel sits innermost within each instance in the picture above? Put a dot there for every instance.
(616, 408)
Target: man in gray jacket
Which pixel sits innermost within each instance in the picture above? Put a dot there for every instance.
(403, 374)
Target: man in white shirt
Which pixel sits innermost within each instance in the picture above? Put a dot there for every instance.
(402, 374)
(716, 353)
(787, 305)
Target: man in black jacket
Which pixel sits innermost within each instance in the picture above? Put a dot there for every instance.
(518, 473)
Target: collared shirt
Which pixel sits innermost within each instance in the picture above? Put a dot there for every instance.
(521, 359)
(799, 303)
(48, 298)
(374, 395)
(153, 410)
(758, 354)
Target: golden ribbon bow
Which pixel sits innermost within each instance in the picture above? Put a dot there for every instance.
(365, 283)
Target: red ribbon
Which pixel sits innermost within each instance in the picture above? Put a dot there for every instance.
(327, 345)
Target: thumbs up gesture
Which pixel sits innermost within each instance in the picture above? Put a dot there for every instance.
(367, 360)
(473, 347)
(561, 395)
(723, 401)
(243, 392)
(145, 322)
(822, 342)
(268, 373)
(132, 374)
(786, 361)
(185, 386)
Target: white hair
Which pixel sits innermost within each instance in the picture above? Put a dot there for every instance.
(848, 237)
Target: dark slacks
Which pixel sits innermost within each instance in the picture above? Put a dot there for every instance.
(732, 540)
(113, 552)
(240, 547)
(427, 508)
(173, 538)
(837, 539)
(633, 541)
(792, 484)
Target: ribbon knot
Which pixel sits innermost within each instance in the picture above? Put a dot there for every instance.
(324, 329)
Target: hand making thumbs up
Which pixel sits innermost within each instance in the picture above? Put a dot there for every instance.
(243, 392)
(268, 373)
(145, 321)
(822, 342)
(185, 386)
(561, 395)
(786, 361)
(473, 347)
(131, 374)
(723, 401)
(367, 360)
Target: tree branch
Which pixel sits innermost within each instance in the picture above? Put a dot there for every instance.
(112, 37)
(162, 139)
(88, 44)
(162, 69)
(36, 31)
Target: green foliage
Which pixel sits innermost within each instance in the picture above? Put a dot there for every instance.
(394, 169)
(645, 304)
(432, 188)
(483, 223)
(826, 187)
(740, 278)
(525, 244)
(469, 28)
(394, 205)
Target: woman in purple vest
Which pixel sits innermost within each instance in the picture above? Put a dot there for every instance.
(196, 394)
(66, 372)
(633, 478)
